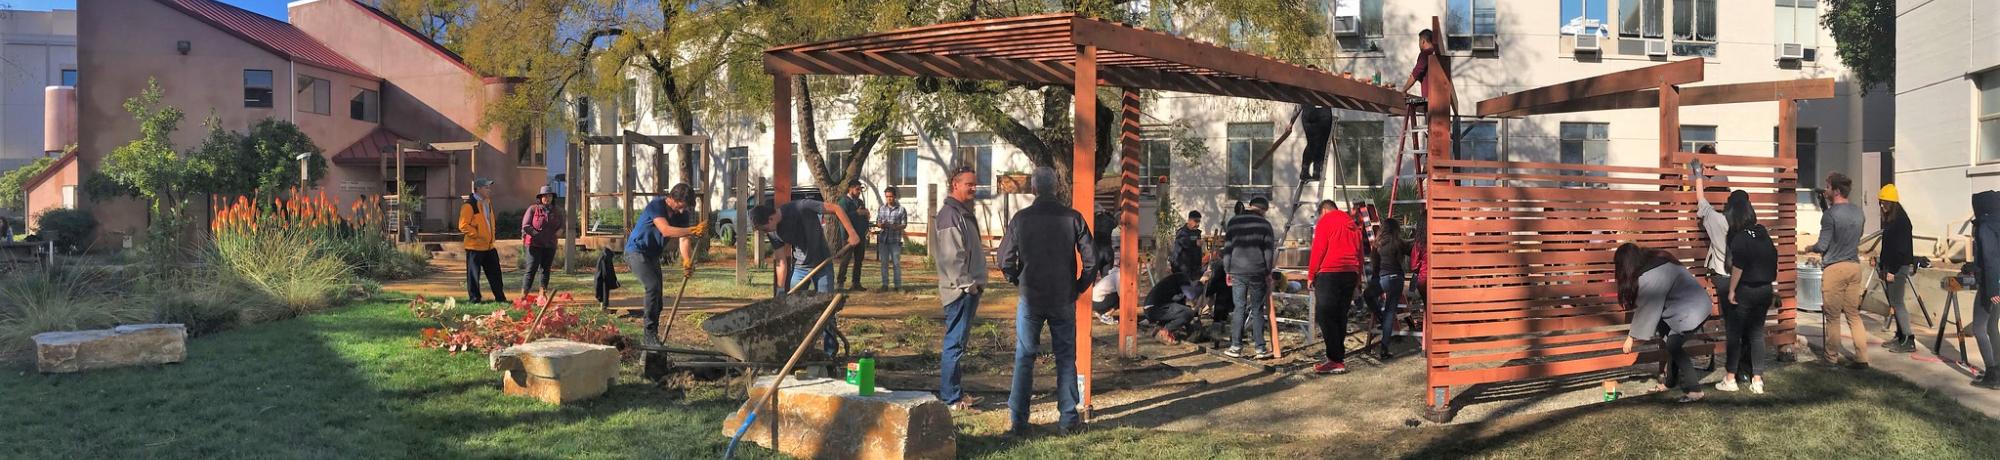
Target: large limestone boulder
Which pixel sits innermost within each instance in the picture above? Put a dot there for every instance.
(129, 345)
(556, 371)
(829, 419)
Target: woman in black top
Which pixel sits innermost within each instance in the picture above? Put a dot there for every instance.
(1753, 267)
(1385, 290)
(1894, 267)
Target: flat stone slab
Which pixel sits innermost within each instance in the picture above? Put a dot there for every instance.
(556, 371)
(128, 345)
(829, 419)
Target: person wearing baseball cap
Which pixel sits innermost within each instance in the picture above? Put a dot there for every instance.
(475, 222)
(540, 226)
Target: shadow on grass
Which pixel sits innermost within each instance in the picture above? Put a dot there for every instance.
(348, 383)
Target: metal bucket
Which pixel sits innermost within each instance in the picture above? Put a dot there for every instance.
(1808, 287)
(766, 331)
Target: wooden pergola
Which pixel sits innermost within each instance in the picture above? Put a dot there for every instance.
(1520, 252)
(1081, 52)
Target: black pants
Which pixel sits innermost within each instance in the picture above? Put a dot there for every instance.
(1175, 318)
(1680, 366)
(1312, 162)
(646, 267)
(489, 262)
(854, 257)
(539, 260)
(1746, 332)
(1333, 294)
(1108, 304)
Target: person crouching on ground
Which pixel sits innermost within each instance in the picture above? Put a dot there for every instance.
(1895, 266)
(1753, 266)
(540, 226)
(1336, 271)
(1167, 306)
(1250, 253)
(666, 218)
(1046, 251)
(1665, 299)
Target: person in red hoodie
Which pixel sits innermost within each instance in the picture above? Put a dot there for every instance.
(1336, 270)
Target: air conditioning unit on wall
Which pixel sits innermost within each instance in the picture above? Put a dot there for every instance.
(1656, 47)
(1791, 51)
(1589, 43)
(1485, 43)
(1346, 26)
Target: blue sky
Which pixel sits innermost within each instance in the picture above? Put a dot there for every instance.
(272, 8)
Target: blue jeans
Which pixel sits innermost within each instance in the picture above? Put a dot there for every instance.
(1251, 295)
(891, 255)
(1028, 322)
(1391, 286)
(823, 284)
(957, 328)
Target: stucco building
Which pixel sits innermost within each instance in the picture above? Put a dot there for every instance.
(37, 51)
(354, 80)
(1947, 110)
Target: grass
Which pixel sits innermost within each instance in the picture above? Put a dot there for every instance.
(350, 383)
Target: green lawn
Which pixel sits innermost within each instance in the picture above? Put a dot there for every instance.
(350, 384)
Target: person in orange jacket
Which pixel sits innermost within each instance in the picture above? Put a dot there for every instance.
(475, 221)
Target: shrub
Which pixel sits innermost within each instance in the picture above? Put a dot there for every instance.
(507, 224)
(358, 240)
(60, 300)
(288, 269)
(530, 318)
(71, 229)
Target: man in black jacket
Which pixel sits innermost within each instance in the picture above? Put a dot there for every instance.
(1250, 253)
(1187, 248)
(1046, 251)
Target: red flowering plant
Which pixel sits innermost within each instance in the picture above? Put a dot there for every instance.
(531, 318)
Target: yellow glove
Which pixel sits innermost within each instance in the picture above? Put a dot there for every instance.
(699, 230)
(687, 266)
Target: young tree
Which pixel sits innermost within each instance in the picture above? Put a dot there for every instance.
(148, 167)
(1866, 33)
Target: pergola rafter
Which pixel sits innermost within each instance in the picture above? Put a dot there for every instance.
(1070, 50)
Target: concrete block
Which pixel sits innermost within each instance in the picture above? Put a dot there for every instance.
(829, 419)
(556, 371)
(129, 345)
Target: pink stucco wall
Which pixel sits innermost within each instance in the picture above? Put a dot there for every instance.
(48, 194)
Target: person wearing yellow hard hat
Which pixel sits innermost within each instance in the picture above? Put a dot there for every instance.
(1895, 265)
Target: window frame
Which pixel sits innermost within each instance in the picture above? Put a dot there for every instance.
(1807, 155)
(320, 101)
(68, 77)
(1472, 23)
(1252, 144)
(371, 105)
(978, 156)
(530, 148)
(1810, 21)
(734, 159)
(1368, 21)
(1714, 137)
(1599, 137)
(1986, 91)
(1695, 46)
(901, 170)
(1360, 149)
(1155, 148)
(268, 90)
(1583, 7)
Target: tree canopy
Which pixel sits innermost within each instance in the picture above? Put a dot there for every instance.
(1865, 31)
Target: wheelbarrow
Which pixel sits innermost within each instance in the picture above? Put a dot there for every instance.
(755, 336)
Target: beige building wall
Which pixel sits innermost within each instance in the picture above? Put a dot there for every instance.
(1942, 47)
(35, 48)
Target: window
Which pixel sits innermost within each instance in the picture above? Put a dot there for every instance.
(1584, 16)
(1640, 18)
(257, 88)
(1359, 144)
(584, 115)
(1584, 144)
(1249, 166)
(1808, 156)
(1797, 21)
(628, 105)
(1156, 156)
(529, 149)
(1367, 17)
(902, 170)
(976, 150)
(1477, 140)
(1693, 138)
(1468, 20)
(736, 163)
(836, 154)
(318, 94)
(69, 77)
(1989, 116)
(366, 106)
(1694, 28)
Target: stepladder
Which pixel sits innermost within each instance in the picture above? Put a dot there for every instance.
(1412, 142)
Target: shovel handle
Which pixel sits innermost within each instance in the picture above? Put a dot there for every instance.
(814, 273)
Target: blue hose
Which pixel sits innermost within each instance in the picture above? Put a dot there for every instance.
(730, 452)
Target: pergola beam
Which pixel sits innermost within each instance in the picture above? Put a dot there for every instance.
(1672, 73)
(1736, 93)
(1139, 42)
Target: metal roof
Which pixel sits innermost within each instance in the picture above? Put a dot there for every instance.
(379, 145)
(272, 35)
(1043, 49)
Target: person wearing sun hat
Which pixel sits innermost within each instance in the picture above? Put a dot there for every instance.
(541, 224)
(475, 221)
(1895, 265)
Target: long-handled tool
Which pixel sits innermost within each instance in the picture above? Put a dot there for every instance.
(675, 313)
(814, 273)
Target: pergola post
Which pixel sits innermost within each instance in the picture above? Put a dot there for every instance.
(1128, 222)
(781, 154)
(1083, 172)
(625, 195)
(1670, 123)
(569, 189)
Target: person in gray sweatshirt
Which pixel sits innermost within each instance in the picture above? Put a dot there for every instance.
(1666, 302)
(1841, 277)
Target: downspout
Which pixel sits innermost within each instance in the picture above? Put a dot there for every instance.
(292, 68)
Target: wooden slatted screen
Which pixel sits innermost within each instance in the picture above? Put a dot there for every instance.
(1520, 279)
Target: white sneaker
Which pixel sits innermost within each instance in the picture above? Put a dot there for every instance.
(1727, 384)
(1106, 318)
(1757, 386)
